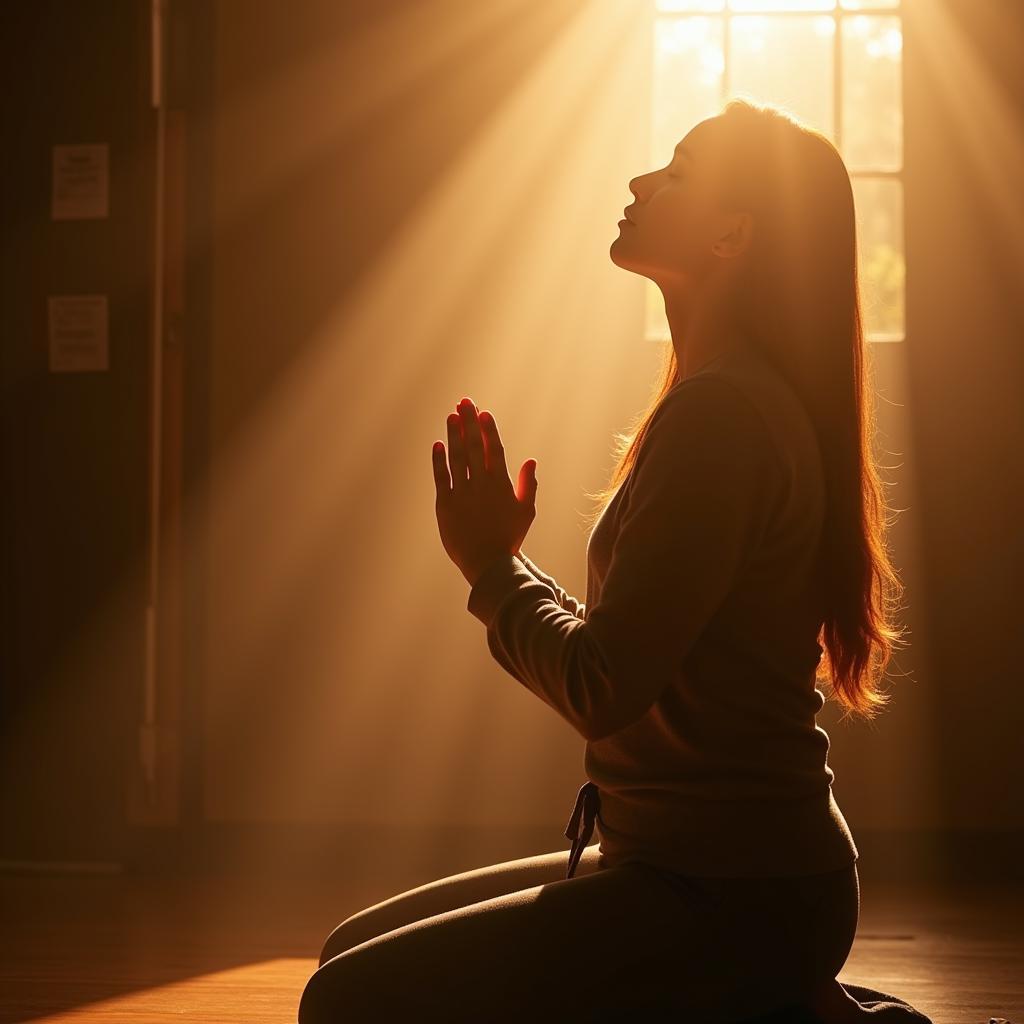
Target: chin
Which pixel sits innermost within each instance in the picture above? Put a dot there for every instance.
(625, 263)
(618, 257)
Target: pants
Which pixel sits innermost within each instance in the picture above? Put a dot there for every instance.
(518, 941)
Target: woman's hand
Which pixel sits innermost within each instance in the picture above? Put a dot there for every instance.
(479, 515)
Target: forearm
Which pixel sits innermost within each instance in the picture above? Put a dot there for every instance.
(565, 599)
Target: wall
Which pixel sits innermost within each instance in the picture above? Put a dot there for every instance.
(74, 453)
(965, 221)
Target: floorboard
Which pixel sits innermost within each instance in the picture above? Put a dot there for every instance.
(161, 948)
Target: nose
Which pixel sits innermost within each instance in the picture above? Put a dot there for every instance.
(638, 185)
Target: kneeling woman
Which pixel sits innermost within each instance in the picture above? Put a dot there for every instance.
(740, 540)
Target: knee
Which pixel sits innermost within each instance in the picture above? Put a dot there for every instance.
(348, 989)
(314, 1004)
(340, 940)
(353, 931)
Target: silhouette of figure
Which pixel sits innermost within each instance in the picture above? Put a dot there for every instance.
(734, 563)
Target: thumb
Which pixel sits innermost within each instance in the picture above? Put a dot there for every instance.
(528, 481)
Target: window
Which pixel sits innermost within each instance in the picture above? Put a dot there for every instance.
(837, 67)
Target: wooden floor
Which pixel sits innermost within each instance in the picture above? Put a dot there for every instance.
(198, 949)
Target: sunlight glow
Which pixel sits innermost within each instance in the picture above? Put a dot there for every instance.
(782, 5)
(705, 6)
(690, 5)
(270, 990)
(536, 194)
(784, 58)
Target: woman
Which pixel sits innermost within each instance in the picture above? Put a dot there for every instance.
(744, 522)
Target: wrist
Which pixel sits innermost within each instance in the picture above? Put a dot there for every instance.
(474, 573)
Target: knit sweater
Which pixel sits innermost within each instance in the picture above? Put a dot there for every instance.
(689, 669)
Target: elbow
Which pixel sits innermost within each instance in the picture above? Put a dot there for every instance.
(600, 727)
(592, 733)
(594, 719)
(607, 697)
(609, 720)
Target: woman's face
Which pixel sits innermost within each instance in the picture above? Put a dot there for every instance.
(675, 232)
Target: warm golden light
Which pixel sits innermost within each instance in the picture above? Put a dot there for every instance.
(777, 56)
(247, 697)
(534, 193)
(268, 990)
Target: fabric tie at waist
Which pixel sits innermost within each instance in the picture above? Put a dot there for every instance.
(588, 806)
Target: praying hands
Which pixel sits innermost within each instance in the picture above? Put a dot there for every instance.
(480, 516)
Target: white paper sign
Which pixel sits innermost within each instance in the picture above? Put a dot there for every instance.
(78, 333)
(80, 182)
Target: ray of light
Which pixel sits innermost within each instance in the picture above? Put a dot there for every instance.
(270, 988)
(524, 198)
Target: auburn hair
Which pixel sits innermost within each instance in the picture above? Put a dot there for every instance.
(798, 302)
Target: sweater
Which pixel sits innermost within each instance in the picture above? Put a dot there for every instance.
(689, 668)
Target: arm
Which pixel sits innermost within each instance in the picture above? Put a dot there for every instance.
(704, 486)
(565, 600)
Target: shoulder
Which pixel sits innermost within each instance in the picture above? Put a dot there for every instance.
(708, 429)
(713, 405)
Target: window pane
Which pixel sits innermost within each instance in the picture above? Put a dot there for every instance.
(690, 5)
(782, 5)
(881, 266)
(872, 97)
(856, 5)
(786, 62)
(688, 62)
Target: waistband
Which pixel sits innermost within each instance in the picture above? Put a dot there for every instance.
(803, 837)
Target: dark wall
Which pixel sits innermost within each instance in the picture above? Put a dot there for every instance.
(74, 451)
(965, 350)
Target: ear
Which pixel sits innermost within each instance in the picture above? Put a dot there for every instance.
(737, 236)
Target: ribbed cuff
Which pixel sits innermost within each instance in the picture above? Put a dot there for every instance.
(528, 562)
(499, 580)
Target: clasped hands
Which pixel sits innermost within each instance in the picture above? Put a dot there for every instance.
(480, 516)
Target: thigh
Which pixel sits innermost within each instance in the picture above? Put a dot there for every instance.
(602, 946)
(453, 892)
(792, 933)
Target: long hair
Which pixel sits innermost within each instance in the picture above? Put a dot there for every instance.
(799, 304)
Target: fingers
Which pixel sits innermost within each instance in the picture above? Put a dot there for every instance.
(527, 489)
(456, 452)
(442, 481)
(472, 439)
(493, 448)
(474, 447)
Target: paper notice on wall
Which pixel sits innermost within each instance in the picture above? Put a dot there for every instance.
(80, 182)
(78, 333)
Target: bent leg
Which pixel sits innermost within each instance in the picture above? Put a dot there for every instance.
(453, 892)
(600, 946)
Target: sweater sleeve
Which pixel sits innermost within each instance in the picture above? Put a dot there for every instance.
(565, 600)
(704, 486)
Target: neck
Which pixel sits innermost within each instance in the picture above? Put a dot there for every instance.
(701, 328)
